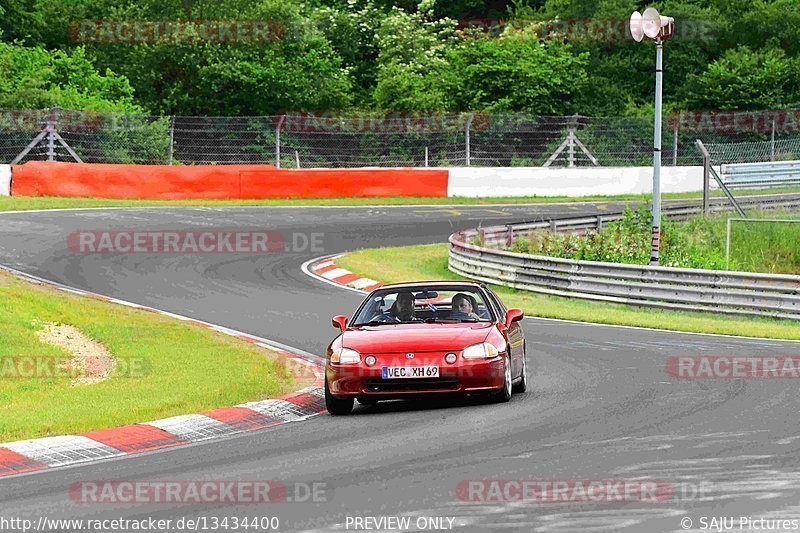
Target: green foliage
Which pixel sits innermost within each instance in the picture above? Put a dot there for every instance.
(293, 68)
(411, 59)
(376, 54)
(763, 21)
(746, 79)
(696, 243)
(624, 241)
(138, 141)
(352, 31)
(515, 72)
(21, 20)
(34, 78)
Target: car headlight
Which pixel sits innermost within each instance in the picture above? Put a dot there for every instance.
(345, 356)
(483, 350)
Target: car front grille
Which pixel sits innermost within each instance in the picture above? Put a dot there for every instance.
(411, 385)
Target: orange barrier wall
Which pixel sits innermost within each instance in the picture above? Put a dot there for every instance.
(39, 178)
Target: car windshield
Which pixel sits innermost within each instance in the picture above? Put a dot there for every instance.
(424, 304)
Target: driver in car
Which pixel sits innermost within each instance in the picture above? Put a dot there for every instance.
(402, 310)
(462, 308)
(403, 307)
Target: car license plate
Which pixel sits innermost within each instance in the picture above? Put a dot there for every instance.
(409, 372)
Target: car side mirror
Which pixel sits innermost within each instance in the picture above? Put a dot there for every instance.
(340, 322)
(513, 315)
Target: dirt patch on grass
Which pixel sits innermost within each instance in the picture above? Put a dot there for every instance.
(90, 360)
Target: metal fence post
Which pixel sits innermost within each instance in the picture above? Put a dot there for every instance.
(278, 141)
(171, 137)
(706, 175)
(51, 133)
(467, 128)
(426, 156)
(675, 146)
(772, 143)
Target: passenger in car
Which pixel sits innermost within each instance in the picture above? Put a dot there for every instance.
(463, 308)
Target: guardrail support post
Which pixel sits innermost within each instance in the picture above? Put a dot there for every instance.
(552, 225)
(510, 236)
(599, 225)
(706, 175)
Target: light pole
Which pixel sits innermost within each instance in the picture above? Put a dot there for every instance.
(659, 29)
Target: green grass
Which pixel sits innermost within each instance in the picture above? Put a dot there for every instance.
(766, 246)
(429, 262)
(184, 368)
(24, 203)
(769, 247)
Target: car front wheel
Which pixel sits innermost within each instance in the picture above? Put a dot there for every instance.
(522, 384)
(335, 406)
(504, 394)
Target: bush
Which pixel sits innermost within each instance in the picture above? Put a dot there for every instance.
(696, 243)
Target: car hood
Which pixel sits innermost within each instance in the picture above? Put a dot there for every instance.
(397, 338)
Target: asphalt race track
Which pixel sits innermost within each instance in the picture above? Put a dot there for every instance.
(601, 405)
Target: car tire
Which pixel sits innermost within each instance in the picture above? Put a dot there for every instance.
(336, 406)
(504, 394)
(522, 384)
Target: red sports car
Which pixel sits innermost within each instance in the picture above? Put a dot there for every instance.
(414, 339)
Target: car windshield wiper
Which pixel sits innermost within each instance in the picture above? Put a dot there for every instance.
(454, 320)
(375, 323)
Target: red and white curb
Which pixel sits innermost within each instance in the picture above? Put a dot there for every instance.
(325, 269)
(50, 452)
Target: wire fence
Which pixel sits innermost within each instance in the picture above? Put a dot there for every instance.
(395, 139)
(755, 152)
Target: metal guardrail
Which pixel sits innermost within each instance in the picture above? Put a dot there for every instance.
(685, 289)
(743, 175)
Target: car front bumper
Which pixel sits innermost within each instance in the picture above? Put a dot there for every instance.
(464, 376)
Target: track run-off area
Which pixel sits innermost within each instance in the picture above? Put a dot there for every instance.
(601, 405)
